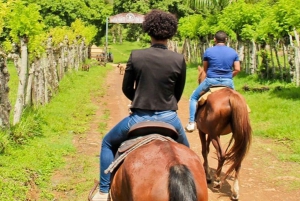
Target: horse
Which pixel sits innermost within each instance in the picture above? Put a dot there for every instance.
(160, 170)
(122, 68)
(225, 111)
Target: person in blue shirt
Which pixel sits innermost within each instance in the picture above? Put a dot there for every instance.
(221, 63)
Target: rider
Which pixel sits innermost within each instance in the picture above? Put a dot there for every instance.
(154, 81)
(217, 63)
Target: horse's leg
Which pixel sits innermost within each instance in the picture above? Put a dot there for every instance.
(221, 159)
(205, 150)
(236, 189)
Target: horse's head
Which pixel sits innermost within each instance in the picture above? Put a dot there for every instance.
(118, 65)
(201, 74)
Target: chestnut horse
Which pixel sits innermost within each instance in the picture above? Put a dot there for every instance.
(225, 111)
(160, 171)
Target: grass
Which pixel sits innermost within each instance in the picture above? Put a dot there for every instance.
(121, 52)
(32, 161)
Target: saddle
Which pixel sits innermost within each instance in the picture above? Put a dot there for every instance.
(205, 94)
(140, 134)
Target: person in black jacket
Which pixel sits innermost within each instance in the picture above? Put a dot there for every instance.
(154, 80)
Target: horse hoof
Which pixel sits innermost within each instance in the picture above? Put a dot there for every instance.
(235, 197)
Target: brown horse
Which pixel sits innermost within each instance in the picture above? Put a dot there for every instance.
(225, 111)
(160, 171)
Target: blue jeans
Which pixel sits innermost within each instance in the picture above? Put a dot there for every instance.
(208, 82)
(118, 134)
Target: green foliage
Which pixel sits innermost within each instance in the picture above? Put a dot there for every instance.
(3, 13)
(77, 31)
(7, 45)
(37, 46)
(260, 21)
(61, 13)
(177, 7)
(24, 21)
(240, 19)
(29, 127)
(58, 35)
(4, 141)
(188, 26)
(80, 29)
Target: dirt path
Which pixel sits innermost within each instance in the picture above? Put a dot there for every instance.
(262, 178)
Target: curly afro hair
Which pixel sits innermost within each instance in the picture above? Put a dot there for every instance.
(160, 25)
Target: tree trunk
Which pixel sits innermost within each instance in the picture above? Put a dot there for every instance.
(5, 106)
(264, 61)
(284, 50)
(241, 52)
(253, 57)
(272, 60)
(29, 85)
(184, 49)
(120, 34)
(297, 59)
(291, 57)
(22, 82)
(278, 62)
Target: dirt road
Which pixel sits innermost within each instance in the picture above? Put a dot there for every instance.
(262, 178)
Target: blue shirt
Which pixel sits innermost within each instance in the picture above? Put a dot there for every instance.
(220, 61)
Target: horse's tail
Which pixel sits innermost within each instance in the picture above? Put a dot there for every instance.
(241, 132)
(181, 184)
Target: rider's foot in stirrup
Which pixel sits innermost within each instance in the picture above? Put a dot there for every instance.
(190, 127)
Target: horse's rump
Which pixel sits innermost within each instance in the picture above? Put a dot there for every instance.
(144, 174)
(215, 112)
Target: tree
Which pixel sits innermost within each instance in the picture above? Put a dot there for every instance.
(177, 7)
(24, 23)
(65, 12)
(213, 6)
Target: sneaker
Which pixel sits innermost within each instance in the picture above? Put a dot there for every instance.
(190, 127)
(101, 197)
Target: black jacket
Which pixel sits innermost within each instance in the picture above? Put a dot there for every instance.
(154, 78)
